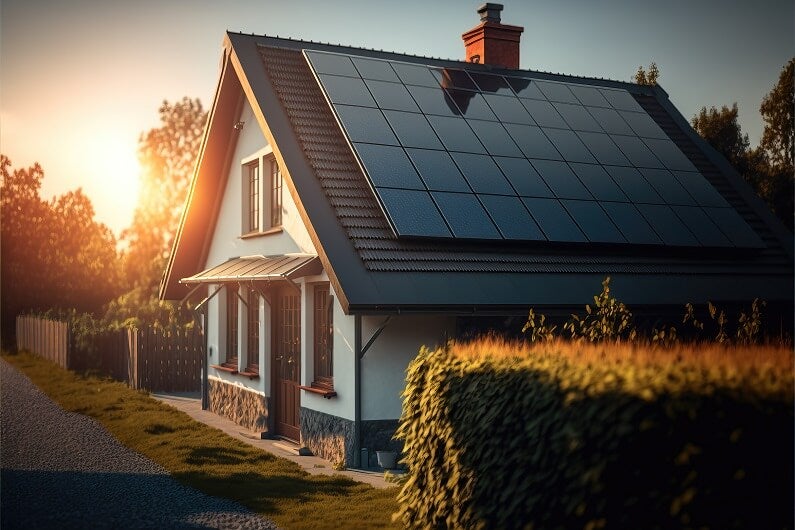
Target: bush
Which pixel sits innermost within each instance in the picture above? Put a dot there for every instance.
(574, 435)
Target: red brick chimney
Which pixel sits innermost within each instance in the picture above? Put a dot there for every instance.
(491, 42)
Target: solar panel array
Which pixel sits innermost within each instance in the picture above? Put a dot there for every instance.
(452, 153)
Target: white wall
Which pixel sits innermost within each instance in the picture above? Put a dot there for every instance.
(226, 243)
(384, 364)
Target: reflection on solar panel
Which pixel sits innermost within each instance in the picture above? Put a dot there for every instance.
(452, 153)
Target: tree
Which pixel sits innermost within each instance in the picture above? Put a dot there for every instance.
(777, 111)
(722, 131)
(768, 168)
(167, 155)
(643, 77)
(55, 255)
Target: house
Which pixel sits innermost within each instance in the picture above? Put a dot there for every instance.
(351, 205)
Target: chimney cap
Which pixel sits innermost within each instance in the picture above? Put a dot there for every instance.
(490, 12)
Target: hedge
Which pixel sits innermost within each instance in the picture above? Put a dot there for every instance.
(551, 439)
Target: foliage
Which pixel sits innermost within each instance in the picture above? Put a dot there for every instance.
(778, 136)
(55, 254)
(609, 319)
(205, 458)
(768, 168)
(539, 330)
(167, 155)
(580, 435)
(644, 77)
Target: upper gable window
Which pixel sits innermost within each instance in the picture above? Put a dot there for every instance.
(262, 204)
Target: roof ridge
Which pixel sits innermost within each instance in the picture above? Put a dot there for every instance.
(486, 68)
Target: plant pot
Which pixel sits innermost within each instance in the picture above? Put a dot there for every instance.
(386, 459)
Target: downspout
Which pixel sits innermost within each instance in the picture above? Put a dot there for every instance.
(357, 390)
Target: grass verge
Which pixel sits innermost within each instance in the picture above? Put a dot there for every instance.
(207, 459)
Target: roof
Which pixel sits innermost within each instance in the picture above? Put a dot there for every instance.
(259, 268)
(375, 268)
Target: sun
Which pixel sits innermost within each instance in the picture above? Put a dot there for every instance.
(117, 177)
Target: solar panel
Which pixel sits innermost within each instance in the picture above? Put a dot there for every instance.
(523, 177)
(525, 88)
(495, 138)
(561, 179)
(347, 90)
(610, 120)
(553, 219)
(456, 135)
(598, 182)
(594, 222)
(667, 225)
(376, 70)
(438, 170)
(532, 142)
(589, 96)
(413, 130)
(471, 104)
(454, 78)
(543, 113)
(457, 153)
(393, 96)
(569, 145)
(577, 117)
(366, 125)
(482, 174)
(388, 166)
(466, 216)
(631, 223)
(557, 92)
(509, 109)
(512, 218)
(413, 213)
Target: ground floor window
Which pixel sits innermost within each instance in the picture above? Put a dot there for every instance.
(231, 326)
(253, 331)
(324, 336)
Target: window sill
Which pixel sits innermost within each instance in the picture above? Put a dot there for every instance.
(325, 392)
(250, 374)
(269, 231)
(224, 368)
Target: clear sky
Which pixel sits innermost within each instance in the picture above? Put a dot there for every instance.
(80, 80)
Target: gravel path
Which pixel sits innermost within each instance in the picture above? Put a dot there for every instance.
(64, 470)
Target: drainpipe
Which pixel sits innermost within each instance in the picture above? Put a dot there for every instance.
(357, 390)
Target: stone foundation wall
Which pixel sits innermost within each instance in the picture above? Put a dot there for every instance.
(244, 407)
(377, 436)
(328, 436)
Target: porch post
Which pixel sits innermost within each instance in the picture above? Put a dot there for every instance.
(357, 390)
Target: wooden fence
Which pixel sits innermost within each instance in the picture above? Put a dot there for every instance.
(154, 359)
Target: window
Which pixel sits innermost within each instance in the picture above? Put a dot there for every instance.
(231, 326)
(253, 331)
(262, 203)
(276, 193)
(324, 336)
(252, 184)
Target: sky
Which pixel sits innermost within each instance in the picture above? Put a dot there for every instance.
(81, 80)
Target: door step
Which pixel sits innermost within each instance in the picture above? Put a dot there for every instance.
(293, 449)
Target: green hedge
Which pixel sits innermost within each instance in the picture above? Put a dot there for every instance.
(549, 442)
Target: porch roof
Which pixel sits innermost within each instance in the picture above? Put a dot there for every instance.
(259, 268)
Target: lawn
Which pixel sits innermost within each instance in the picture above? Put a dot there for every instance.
(210, 461)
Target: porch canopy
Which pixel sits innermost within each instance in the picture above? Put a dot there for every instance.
(259, 268)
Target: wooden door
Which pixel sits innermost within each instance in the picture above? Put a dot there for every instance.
(287, 362)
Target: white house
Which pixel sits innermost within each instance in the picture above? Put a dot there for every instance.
(351, 205)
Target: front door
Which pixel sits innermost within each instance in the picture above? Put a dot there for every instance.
(287, 362)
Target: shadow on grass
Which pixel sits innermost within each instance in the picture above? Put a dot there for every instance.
(214, 455)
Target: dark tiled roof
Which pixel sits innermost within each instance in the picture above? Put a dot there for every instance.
(360, 215)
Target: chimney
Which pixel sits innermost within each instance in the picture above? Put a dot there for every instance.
(492, 42)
